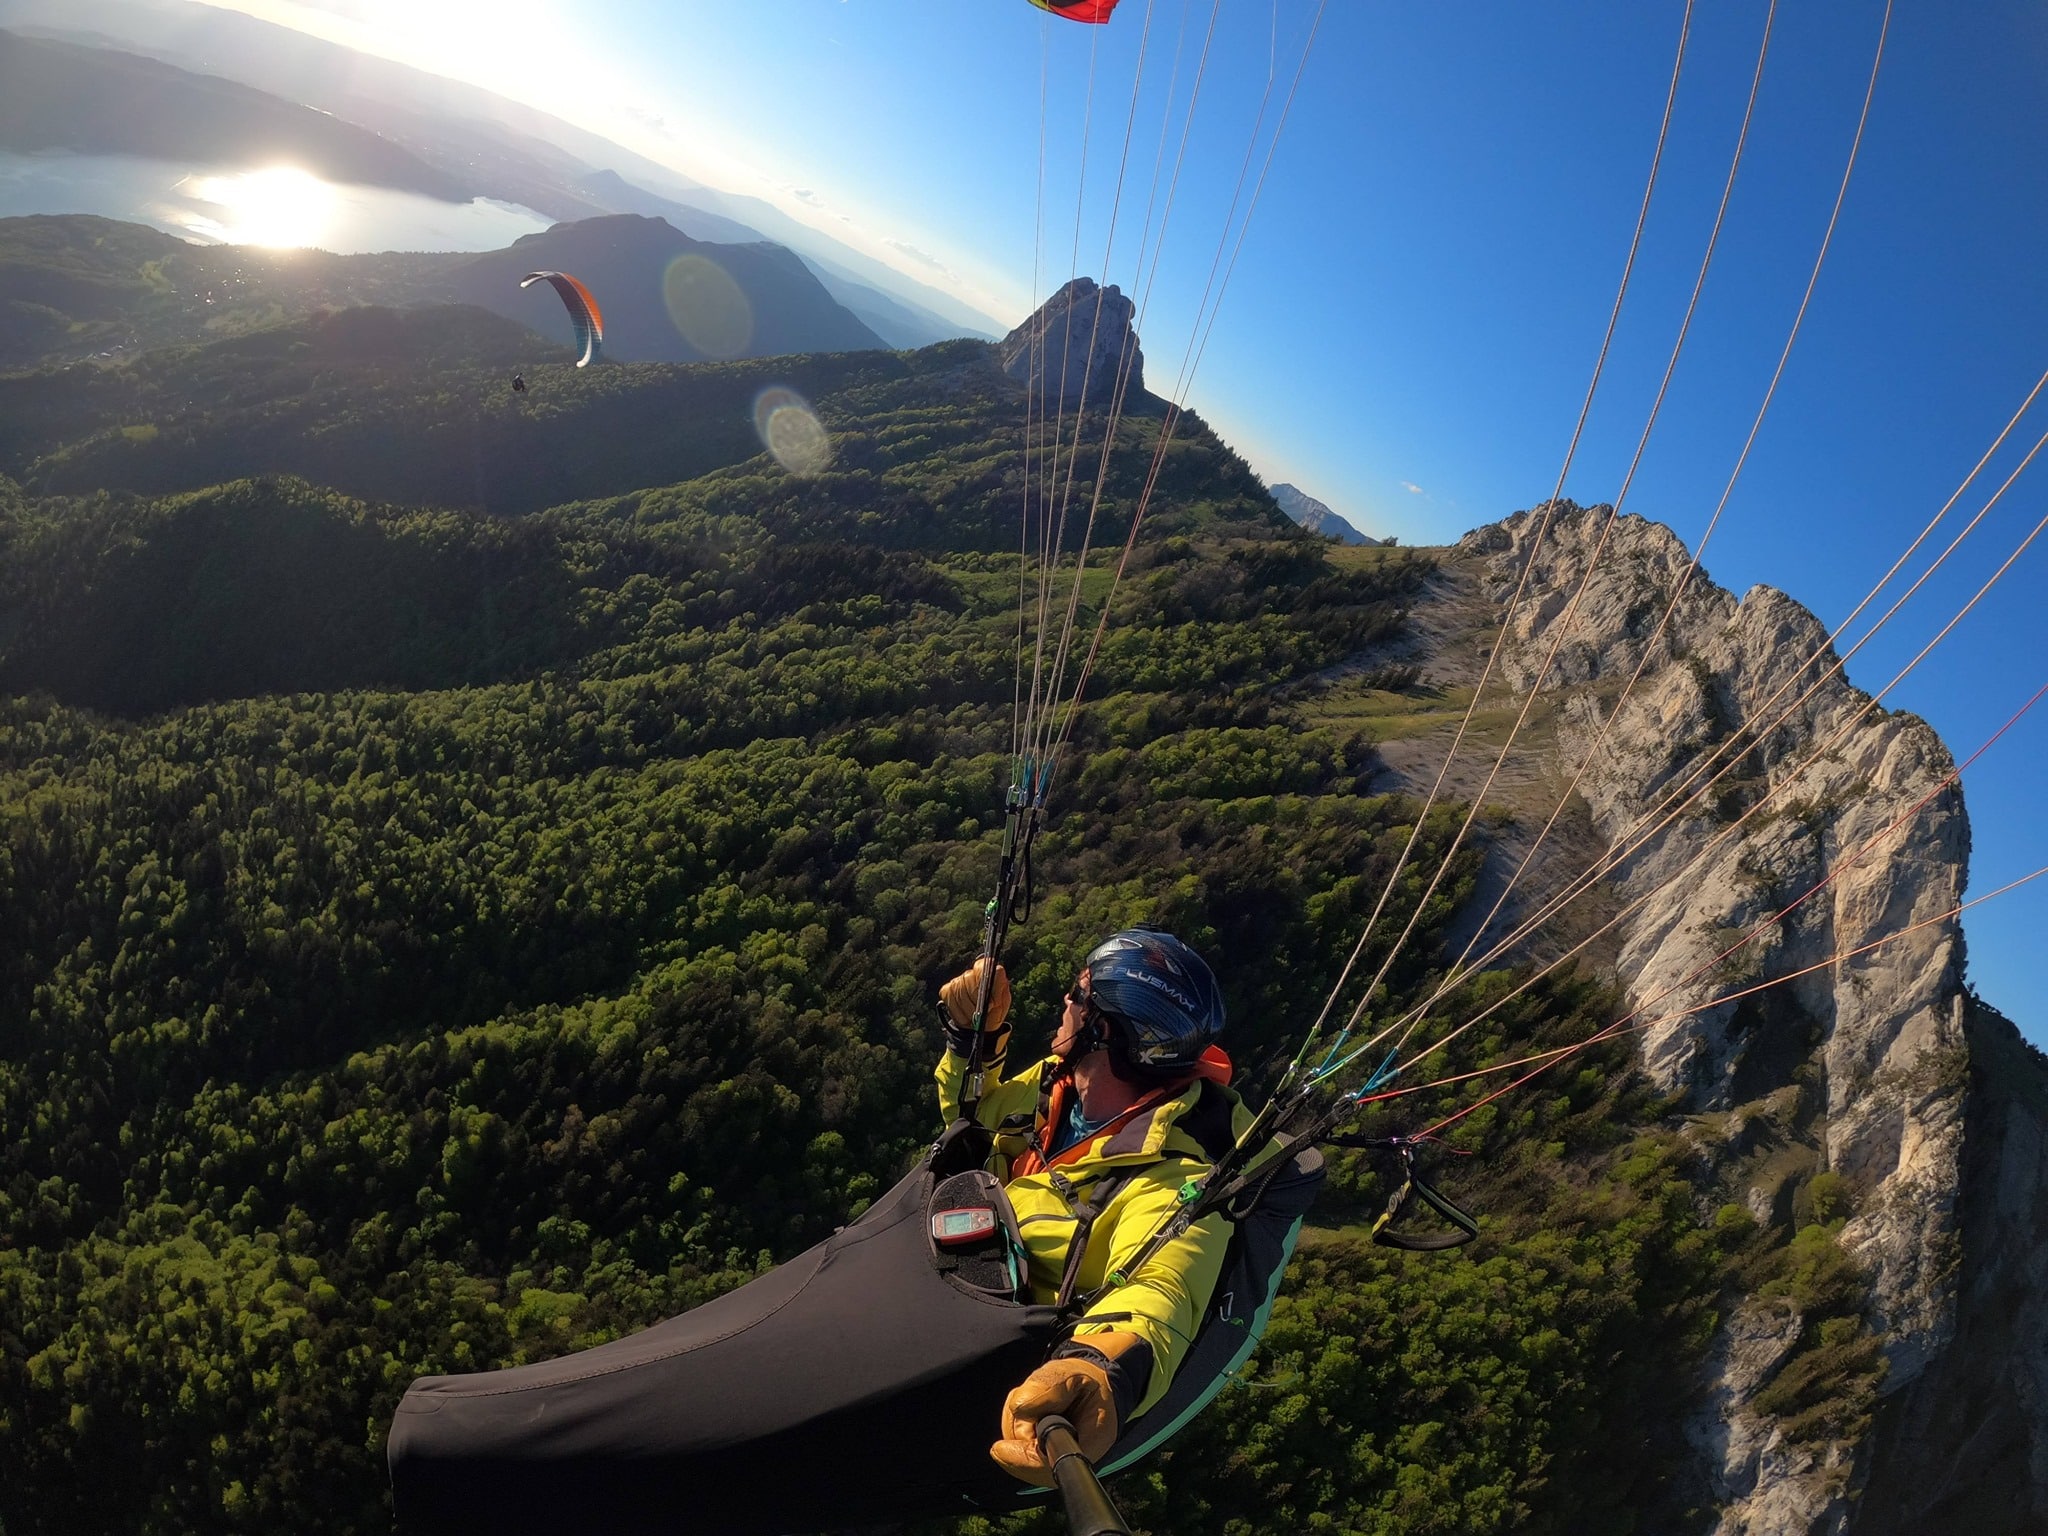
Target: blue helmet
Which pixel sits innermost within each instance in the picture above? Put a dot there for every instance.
(1159, 998)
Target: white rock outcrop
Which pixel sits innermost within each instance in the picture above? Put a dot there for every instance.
(1739, 773)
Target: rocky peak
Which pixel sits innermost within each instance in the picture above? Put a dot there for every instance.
(1863, 1068)
(1078, 344)
(1316, 516)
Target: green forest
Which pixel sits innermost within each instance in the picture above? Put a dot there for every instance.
(474, 876)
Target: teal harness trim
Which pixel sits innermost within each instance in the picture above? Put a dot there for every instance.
(1253, 1332)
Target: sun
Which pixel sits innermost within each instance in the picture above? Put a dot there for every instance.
(280, 205)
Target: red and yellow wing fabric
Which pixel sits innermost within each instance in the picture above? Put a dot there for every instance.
(584, 314)
(1094, 12)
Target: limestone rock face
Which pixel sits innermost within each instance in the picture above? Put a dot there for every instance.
(1728, 768)
(1748, 1352)
(1812, 784)
(1079, 348)
(1760, 1482)
(1964, 1445)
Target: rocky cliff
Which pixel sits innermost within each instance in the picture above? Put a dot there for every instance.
(1962, 1446)
(1076, 347)
(1868, 1105)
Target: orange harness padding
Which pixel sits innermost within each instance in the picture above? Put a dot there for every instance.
(1214, 1067)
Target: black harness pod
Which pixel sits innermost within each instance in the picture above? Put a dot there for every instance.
(860, 1383)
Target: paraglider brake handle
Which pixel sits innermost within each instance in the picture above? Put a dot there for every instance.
(1413, 1189)
(1089, 1510)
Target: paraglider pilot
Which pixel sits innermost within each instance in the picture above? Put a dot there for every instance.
(1095, 1143)
(518, 383)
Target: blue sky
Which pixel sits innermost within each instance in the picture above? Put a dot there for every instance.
(1415, 316)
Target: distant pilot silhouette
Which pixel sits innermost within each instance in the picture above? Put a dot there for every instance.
(518, 384)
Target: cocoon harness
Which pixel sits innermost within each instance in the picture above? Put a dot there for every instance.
(861, 1382)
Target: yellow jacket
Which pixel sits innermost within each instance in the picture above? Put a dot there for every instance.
(1163, 1302)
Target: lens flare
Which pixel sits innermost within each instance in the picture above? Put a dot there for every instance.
(708, 307)
(791, 431)
(279, 206)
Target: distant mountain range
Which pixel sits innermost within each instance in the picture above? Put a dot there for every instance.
(900, 323)
(61, 96)
(78, 286)
(1316, 516)
(666, 298)
(489, 145)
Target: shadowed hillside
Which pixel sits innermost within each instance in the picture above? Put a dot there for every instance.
(271, 587)
(349, 399)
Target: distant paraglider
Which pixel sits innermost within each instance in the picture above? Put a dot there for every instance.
(1092, 11)
(518, 383)
(583, 312)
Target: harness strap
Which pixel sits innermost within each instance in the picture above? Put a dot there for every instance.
(1106, 1189)
(1054, 1086)
(1241, 1195)
(1236, 1198)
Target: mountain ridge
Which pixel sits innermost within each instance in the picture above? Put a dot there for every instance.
(1852, 1084)
(667, 297)
(511, 151)
(1317, 516)
(130, 287)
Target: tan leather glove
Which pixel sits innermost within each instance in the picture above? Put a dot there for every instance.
(1078, 1389)
(959, 994)
(958, 997)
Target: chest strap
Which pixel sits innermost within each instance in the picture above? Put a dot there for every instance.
(1105, 1189)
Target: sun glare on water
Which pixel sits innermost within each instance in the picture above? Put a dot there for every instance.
(280, 205)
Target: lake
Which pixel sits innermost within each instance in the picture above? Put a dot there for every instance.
(273, 206)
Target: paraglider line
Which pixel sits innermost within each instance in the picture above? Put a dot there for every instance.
(1175, 408)
(1060, 733)
(1699, 551)
(1621, 1026)
(1521, 586)
(1561, 628)
(1128, 360)
(1066, 491)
